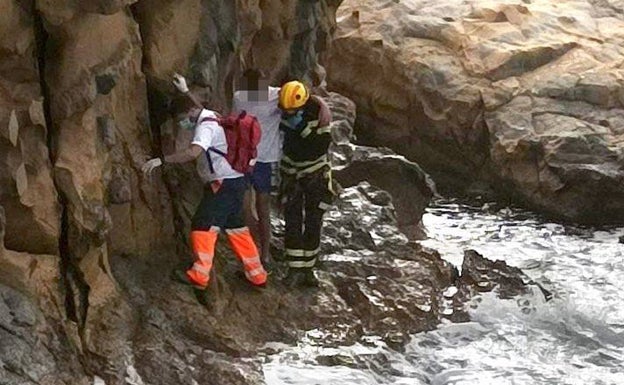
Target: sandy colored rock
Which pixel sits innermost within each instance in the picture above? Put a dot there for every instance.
(26, 188)
(105, 304)
(524, 97)
(100, 128)
(171, 31)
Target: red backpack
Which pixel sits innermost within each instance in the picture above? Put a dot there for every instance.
(242, 134)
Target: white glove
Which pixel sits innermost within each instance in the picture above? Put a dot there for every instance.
(150, 165)
(180, 83)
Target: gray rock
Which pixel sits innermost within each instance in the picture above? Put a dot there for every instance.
(404, 182)
(120, 187)
(2, 224)
(24, 341)
(409, 186)
(106, 128)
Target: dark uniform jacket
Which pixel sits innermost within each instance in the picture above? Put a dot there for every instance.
(305, 148)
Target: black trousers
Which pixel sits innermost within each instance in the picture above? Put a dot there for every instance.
(222, 208)
(305, 201)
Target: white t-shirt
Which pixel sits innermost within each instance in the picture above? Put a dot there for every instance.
(269, 115)
(210, 134)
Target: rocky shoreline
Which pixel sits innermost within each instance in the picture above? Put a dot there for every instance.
(87, 243)
(375, 281)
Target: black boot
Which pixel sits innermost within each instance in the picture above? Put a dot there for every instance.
(301, 278)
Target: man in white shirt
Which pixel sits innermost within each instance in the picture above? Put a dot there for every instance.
(221, 206)
(259, 99)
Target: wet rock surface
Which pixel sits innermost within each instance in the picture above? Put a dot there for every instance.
(87, 243)
(30, 349)
(410, 188)
(522, 99)
(484, 275)
(374, 281)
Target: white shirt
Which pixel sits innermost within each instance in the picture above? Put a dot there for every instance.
(210, 134)
(269, 115)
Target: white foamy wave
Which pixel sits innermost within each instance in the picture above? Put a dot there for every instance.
(575, 339)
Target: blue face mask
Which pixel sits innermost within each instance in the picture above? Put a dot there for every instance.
(294, 119)
(187, 124)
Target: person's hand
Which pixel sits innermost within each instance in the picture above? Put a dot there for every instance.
(325, 115)
(150, 165)
(294, 119)
(180, 83)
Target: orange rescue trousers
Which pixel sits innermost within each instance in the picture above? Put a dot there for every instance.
(223, 209)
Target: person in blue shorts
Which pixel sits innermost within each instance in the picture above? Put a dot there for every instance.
(261, 100)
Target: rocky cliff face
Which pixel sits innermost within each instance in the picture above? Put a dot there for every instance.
(87, 243)
(523, 98)
(84, 94)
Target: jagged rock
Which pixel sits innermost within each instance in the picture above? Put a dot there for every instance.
(2, 226)
(524, 97)
(122, 320)
(34, 337)
(480, 274)
(377, 284)
(374, 281)
(29, 346)
(410, 187)
(564, 158)
(106, 128)
(364, 219)
(97, 104)
(211, 42)
(91, 60)
(343, 117)
(26, 187)
(119, 189)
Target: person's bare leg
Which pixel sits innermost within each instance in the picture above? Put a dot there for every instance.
(263, 207)
(249, 216)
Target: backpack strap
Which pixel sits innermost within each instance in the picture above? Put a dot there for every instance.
(213, 149)
(210, 119)
(216, 151)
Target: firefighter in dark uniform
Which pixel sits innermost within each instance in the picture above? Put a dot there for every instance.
(306, 190)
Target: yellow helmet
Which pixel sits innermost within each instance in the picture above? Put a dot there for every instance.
(293, 95)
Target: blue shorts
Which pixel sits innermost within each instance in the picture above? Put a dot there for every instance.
(263, 178)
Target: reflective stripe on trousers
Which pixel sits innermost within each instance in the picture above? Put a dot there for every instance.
(298, 258)
(304, 219)
(245, 249)
(203, 244)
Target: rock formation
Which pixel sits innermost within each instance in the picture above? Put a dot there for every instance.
(409, 186)
(27, 191)
(85, 96)
(87, 242)
(524, 98)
